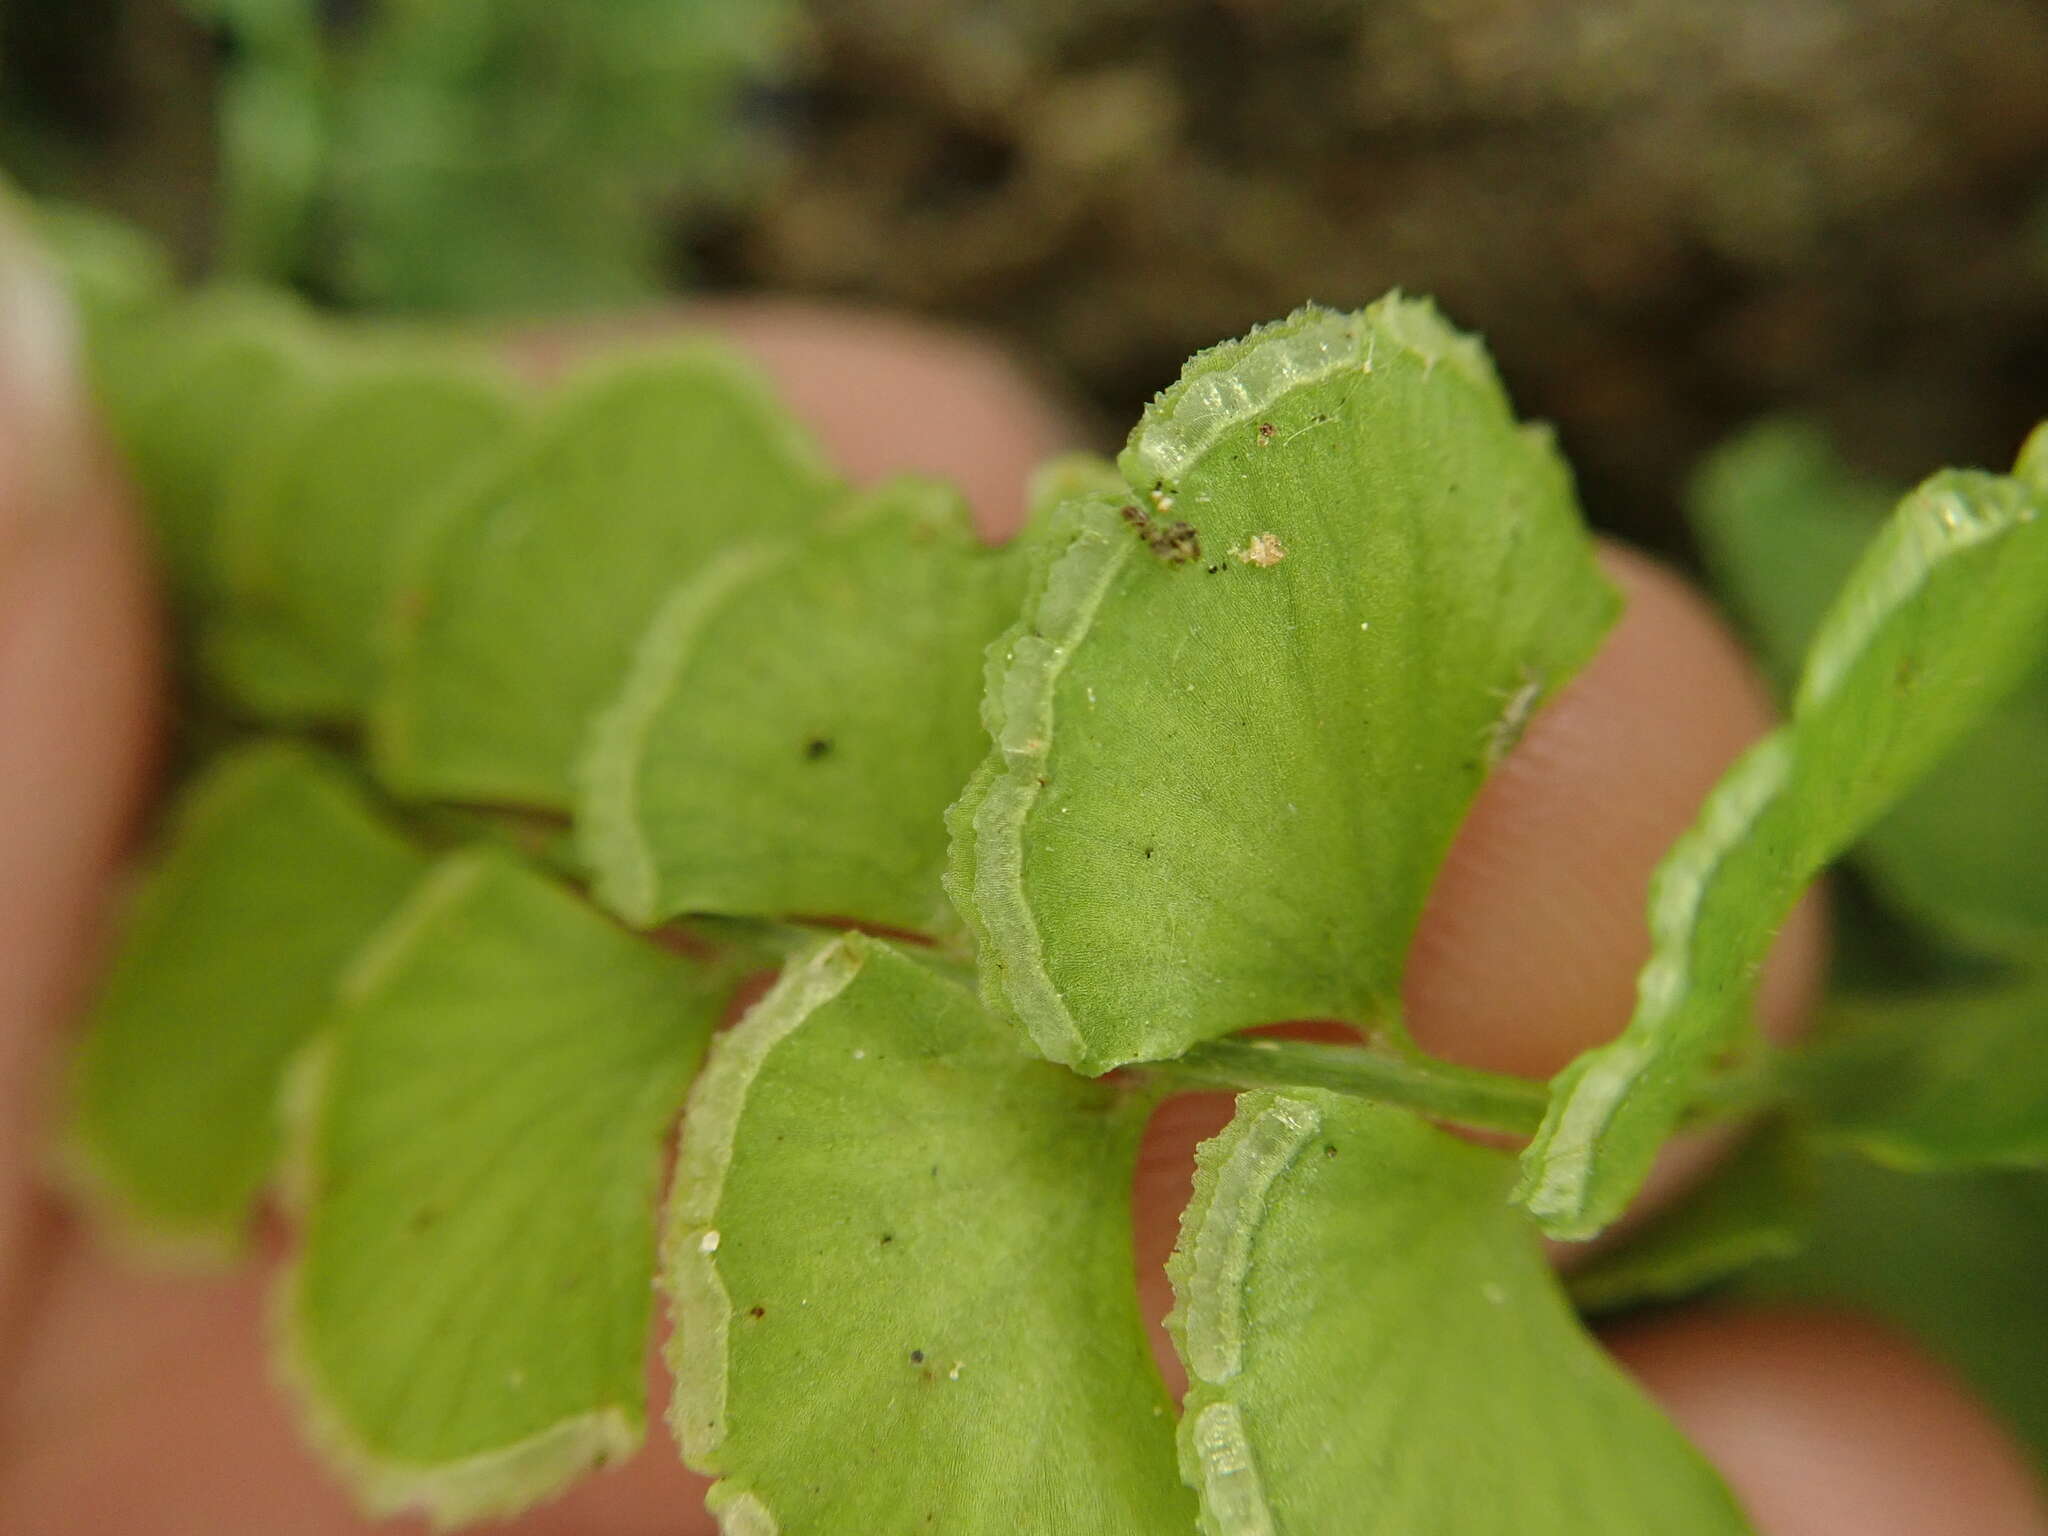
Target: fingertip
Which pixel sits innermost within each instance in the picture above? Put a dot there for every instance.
(78, 713)
(1829, 1425)
(1529, 948)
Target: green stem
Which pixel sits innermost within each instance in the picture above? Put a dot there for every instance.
(1483, 1100)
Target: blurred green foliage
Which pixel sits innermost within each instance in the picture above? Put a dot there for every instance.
(419, 155)
(488, 155)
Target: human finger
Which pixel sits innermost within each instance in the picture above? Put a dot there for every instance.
(1828, 1425)
(77, 709)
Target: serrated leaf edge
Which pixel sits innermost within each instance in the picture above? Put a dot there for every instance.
(1234, 384)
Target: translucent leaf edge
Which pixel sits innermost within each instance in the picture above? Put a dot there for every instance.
(391, 719)
(1236, 382)
(1575, 1181)
(491, 1485)
(1235, 1175)
(1218, 390)
(986, 860)
(626, 879)
(83, 1170)
(699, 1305)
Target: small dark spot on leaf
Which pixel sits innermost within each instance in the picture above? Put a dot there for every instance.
(917, 1357)
(817, 747)
(888, 1238)
(757, 1312)
(1328, 1150)
(1148, 853)
(1267, 432)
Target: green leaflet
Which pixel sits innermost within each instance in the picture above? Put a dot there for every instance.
(1958, 1079)
(1221, 785)
(521, 617)
(1782, 523)
(1945, 615)
(1359, 1309)
(1757, 1206)
(186, 393)
(113, 273)
(2033, 460)
(1956, 1259)
(320, 520)
(274, 873)
(900, 1259)
(797, 720)
(467, 1321)
(491, 156)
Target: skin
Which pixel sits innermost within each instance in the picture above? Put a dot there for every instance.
(138, 1403)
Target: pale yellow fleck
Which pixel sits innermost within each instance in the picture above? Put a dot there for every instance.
(1262, 549)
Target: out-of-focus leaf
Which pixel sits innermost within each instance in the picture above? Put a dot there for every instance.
(1755, 1207)
(274, 874)
(186, 395)
(1955, 1079)
(520, 617)
(467, 1322)
(323, 520)
(1955, 1259)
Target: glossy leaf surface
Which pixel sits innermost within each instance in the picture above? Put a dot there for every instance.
(1223, 778)
(1945, 616)
(797, 721)
(467, 1323)
(274, 873)
(1359, 1309)
(900, 1256)
(520, 619)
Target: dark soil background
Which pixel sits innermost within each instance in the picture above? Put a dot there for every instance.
(1667, 216)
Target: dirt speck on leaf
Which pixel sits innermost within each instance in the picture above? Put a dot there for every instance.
(1261, 549)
